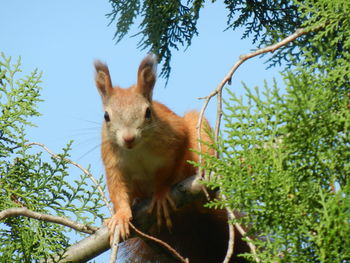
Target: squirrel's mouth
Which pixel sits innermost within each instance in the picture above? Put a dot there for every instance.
(129, 145)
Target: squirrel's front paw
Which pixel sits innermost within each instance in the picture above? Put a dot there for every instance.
(162, 205)
(122, 218)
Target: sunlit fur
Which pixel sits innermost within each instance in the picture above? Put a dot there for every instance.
(157, 156)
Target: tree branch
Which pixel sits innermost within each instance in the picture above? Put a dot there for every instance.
(231, 240)
(228, 77)
(218, 92)
(115, 242)
(86, 249)
(23, 211)
(183, 193)
(162, 243)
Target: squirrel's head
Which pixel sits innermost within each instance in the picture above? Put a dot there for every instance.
(128, 113)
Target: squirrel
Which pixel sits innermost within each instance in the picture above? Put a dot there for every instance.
(145, 150)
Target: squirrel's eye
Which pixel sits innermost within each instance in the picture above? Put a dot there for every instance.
(148, 113)
(106, 116)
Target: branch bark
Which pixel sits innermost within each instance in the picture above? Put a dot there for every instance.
(23, 211)
(115, 243)
(183, 193)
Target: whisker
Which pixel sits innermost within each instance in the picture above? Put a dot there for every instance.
(154, 124)
(85, 120)
(89, 151)
(88, 128)
(87, 141)
(80, 135)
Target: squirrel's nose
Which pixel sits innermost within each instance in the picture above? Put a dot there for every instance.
(128, 139)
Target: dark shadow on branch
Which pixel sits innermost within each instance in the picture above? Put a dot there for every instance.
(183, 193)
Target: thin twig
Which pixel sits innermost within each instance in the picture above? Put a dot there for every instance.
(162, 243)
(242, 59)
(115, 245)
(115, 242)
(85, 171)
(218, 92)
(218, 118)
(230, 248)
(23, 211)
(242, 231)
(200, 120)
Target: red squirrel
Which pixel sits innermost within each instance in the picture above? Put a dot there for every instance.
(145, 147)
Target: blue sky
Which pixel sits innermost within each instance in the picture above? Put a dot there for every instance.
(63, 38)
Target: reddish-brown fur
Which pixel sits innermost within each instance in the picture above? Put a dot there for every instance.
(145, 156)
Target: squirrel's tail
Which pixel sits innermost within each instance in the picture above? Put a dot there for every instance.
(191, 119)
(199, 234)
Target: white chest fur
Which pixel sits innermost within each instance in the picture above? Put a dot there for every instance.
(141, 163)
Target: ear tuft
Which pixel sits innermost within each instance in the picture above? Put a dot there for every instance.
(150, 61)
(103, 79)
(146, 76)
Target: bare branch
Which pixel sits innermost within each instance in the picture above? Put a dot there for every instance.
(228, 77)
(218, 117)
(115, 245)
(115, 242)
(218, 92)
(162, 243)
(242, 59)
(86, 249)
(231, 243)
(183, 193)
(23, 211)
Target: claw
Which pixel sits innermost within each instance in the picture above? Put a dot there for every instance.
(162, 206)
(166, 215)
(122, 219)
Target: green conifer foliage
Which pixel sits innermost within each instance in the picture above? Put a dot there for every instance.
(285, 151)
(29, 179)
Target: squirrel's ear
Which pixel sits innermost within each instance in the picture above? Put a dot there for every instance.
(103, 80)
(146, 76)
